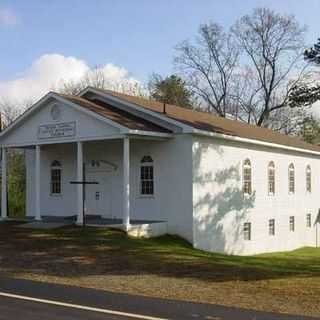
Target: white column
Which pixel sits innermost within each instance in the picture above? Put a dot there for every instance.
(38, 182)
(79, 186)
(126, 183)
(4, 213)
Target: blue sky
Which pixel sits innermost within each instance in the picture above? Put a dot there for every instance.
(136, 35)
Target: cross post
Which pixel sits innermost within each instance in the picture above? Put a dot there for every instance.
(84, 182)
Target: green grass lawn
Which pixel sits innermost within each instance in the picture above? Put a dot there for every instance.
(164, 267)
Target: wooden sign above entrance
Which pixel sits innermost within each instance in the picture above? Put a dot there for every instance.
(57, 130)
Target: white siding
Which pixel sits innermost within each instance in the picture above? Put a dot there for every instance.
(86, 126)
(172, 201)
(220, 208)
(57, 205)
(197, 184)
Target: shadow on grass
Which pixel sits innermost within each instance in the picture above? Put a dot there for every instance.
(72, 252)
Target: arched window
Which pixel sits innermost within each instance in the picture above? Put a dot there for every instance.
(146, 176)
(291, 178)
(271, 178)
(55, 177)
(247, 183)
(308, 178)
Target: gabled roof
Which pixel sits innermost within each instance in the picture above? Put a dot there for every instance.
(116, 115)
(210, 123)
(189, 120)
(127, 122)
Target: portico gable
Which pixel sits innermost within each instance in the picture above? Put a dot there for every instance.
(57, 120)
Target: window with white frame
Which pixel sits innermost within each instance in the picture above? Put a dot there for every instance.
(146, 176)
(271, 227)
(247, 177)
(308, 178)
(247, 231)
(55, 178)
(309, 220)
(291, 223)
(271, 178)
(291, 178)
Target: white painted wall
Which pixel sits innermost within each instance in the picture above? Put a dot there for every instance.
(220, 208)
(56, 205)
(198, 187)
(172, 201)
(173, 188)
(86, 126)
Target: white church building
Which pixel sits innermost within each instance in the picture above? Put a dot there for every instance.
(223, 185)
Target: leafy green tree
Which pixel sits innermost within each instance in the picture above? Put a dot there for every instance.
(313, 54)
(310, 130)
(16, 183)
(308, 91)
(304, 94)
(171, 90)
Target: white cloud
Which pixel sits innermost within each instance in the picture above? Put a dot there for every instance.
(8, 17)
(49, 71)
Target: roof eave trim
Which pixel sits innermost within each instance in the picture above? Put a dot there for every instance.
(150, 133)
(253, 141)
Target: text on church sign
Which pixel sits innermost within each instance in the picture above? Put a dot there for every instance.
(57, 130)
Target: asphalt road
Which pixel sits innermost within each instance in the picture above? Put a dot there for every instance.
(26, 310)
(77, 302)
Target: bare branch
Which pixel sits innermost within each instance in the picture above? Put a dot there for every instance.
(274, 45)
(208, 65)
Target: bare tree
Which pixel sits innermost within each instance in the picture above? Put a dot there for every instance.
(288, 120)
(245, 95)
(273, 47)
(98, 79)
(208, 66)
(11, 110)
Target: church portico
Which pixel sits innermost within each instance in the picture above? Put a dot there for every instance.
(113, 164)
